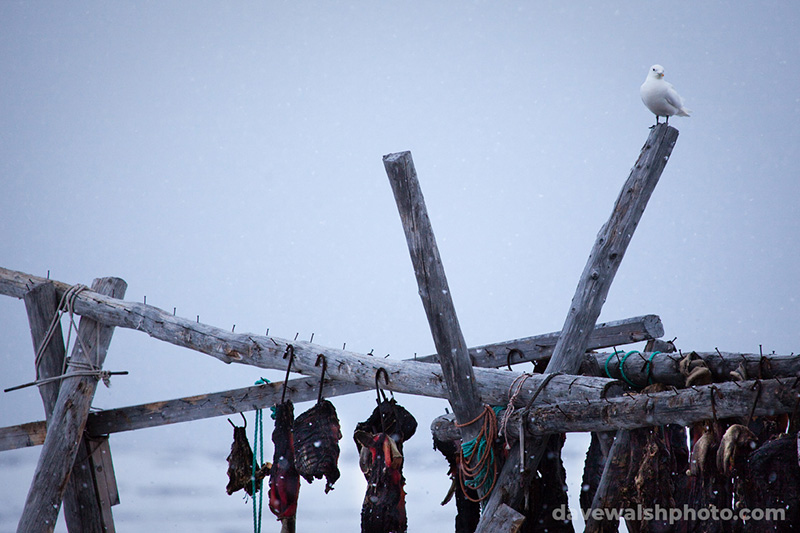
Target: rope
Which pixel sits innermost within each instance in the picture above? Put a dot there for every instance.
(513, 393)
(648, 368)
(258, 447)
(67, 304)
(622, 367)
(481, 447)
(68, 297)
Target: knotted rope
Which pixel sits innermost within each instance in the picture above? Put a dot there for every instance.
(80, 369)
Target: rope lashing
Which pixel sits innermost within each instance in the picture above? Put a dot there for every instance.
(67, 304)
(648, 367)
(513, 393)
(484, 470)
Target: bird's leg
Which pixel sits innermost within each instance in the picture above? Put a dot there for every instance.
(667, 122)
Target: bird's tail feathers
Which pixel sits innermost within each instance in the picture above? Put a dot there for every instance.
(683, 112)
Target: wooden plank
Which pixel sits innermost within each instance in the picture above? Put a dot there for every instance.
(434, 291)
(680, 406)
(104, 478)
(68, 421)
(595, 281)
(507, 519)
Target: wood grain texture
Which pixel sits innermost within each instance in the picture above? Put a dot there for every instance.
(590, 295)
(408, 376)
(630, 411)
(41, 304)
(434, 290)
(68, 421)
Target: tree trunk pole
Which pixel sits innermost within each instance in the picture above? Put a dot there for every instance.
(595, 282)
(41, 304)
(68, 421)
(434, 291)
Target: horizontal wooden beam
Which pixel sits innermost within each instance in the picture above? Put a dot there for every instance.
(683, 407)
(663, 368)
(262, 396)
(539, 347)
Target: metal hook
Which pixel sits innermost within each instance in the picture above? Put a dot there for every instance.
(322, 376)
(290, 353)
(235, 426)
(378, 390)
(513, 351)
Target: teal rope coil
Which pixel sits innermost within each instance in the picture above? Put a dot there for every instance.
(622, 367)
(473, 446)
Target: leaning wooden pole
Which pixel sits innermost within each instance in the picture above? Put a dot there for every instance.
(598, 274)
(81, 509)
(434, 291)
(68, 420)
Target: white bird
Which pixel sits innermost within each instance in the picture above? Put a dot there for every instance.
(660, 97)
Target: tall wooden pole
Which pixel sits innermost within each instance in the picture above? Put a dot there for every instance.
(68, 421)
(434, 290)
(590, 295)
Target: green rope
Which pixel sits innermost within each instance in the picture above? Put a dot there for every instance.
(622, 369)
(609, 359)
(647, 368)
(258, 447)
(474, 446)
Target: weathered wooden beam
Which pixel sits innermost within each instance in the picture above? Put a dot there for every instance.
(604, 260)
(408, 376)
(41, 304)
(68, 421)
(679, 406)
(147, 318)
(82, 510)
(299, 390)
(663, 368)
(434, 291)
(538, 347)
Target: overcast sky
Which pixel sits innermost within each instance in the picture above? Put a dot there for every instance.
(225, 160)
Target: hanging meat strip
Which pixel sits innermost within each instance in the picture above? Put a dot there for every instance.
(384, 508)
(240, 464)
(390, 418)
(284, 481)
(317, 434)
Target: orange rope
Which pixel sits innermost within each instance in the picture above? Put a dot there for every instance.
(482, 446)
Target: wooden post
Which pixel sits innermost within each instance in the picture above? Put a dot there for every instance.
(41, 304)
(68, 421)
(81, 510)
(595, 282)
(434, 290)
